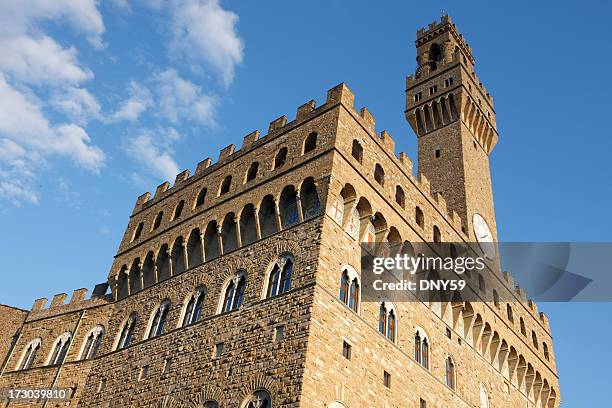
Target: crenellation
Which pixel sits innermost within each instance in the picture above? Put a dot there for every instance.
(304, 110)
(509, 280)
(161, 189)
(249, 140)
(58, 300)
(226, 152)
(181, 178)
(203, 165)
(39, 304)
(521, 294)
(300, 207)
(142, 200)
(341, 93)
(388, 141)
(406, 162)
(277, 124)
(78, 295)
(368, 119)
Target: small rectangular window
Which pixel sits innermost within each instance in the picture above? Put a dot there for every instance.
(167, 364)
(279, 333)
(346, 350)
(387, 379)
(433, 89)
(218, 350)
(144, 372)
(423, 403)
(102, 384)
(448, 82)
(448, 333)
(437, 153)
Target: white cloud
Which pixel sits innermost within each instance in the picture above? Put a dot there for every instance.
(19, 17)
(35, 60)
(31, 63)
(77, 103)
(180, 98)
(28, 138)
(139, 100)
(205, 32)
(152, 150)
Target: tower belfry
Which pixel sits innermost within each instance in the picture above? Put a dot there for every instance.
(453, 116)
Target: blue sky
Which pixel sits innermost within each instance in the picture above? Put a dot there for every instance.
(102, 101)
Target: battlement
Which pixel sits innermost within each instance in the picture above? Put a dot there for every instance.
(436, 28)
(78, 301)
(338, 94)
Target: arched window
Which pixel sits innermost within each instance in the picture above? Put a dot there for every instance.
(193, 307)
(127, 332)
(158, 320)
(163, 263)
(288, 207)
(400, 197)
(252, 172)
(310, 143)
(357, 151)
(211, 241)
(523, 330)
(201, 197)
(194, 248)
(349, 288)
(419, 217)
(484, 396)
(158, 220)
(510, 313)
(534, 339)
(138, 231)
(234, 293)
(546, 353)
(281, 158)
(267, 217)
(387, 321)
(229, 233)
(421, 348)
(311, 206)
(29, 354)
(60, 349)
(450, 372)
(225, 185)
(437, 235)
(379, 174)
(92, 343)
(495, 298)
(248, 226)
(178, 257)
(211, 404)
(148, 275)
(179, 209)
(279, 279)
(259, 399)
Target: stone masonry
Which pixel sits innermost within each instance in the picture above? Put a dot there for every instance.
(308, 192)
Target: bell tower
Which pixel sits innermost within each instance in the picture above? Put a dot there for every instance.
(453, 117)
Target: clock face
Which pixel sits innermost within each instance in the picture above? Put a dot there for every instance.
(483, 236)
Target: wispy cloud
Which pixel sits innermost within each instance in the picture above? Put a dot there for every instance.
(182, 99)
(138, 101)
(32, 63)
(152, 150)
(206, 33)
